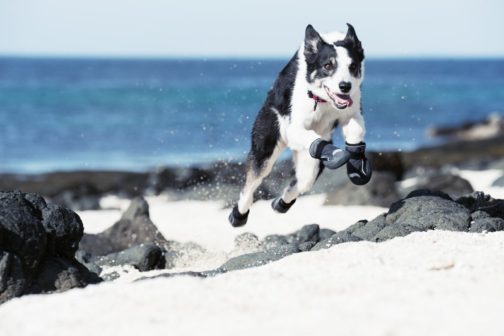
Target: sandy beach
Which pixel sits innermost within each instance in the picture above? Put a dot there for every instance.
(435, 282)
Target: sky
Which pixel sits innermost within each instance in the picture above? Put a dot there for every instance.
(258, 28)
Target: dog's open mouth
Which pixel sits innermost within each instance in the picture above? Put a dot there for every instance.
(341, 101)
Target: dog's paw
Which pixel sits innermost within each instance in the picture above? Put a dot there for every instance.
(236, 219)
(331, 156)
(359, 168)
(280, 206)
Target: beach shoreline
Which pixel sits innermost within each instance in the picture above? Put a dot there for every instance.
(222, 180)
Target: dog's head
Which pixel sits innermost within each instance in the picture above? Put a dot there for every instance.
(334, 68)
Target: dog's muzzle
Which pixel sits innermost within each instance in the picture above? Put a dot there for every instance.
(341, 101)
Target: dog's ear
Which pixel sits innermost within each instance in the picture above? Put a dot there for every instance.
(353, 41)
(312, 43)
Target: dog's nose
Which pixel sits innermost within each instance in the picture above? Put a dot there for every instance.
(345, 86)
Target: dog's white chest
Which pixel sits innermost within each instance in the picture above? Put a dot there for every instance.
(324, 119)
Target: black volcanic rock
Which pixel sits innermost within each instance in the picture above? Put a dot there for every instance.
(423, 210)
(429, 212)
(258, 258)
(180, 178)
(60, 274)
(308, 233)
(79, 184)
(489, 127)
(427, 192)
(37, 247)
(144, 257)
(396, 230)
(337, 238)
(380, 191)
(366, 230)
(13, 281)
(456, 152)
(490, 224)
(86, 259)
(96, 245)
(79, 197)
(134, 228)
(64, 229)
(388, 162)
(325, 234)
(21, 230)
(480, 202)
(306, 246)
(451, 184)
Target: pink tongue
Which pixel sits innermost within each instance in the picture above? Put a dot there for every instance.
(345, 101)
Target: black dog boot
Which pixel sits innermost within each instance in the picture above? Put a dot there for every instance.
(359, 169)
(236, 218)
(280, 206)
(331, 156)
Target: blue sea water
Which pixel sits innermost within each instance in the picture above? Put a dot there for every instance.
(72, 114)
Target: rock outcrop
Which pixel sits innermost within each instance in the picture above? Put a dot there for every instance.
(38, 242)
(134, 240)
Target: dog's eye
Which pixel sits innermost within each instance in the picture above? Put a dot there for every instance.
(328, 66)
(353, 66)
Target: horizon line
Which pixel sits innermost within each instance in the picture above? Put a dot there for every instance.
(235, 57)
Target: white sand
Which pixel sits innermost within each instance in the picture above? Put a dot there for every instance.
(428, 283)
(436, 283)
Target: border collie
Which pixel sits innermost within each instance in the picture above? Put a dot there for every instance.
(319, 89)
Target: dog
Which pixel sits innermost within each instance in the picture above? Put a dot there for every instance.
(318, 90)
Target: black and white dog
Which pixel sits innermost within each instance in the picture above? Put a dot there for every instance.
(317, 90)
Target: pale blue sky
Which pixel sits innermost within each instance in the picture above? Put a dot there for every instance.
(259, 28)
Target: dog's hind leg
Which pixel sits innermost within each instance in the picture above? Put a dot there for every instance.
(267, 145)
(307, 171)
(258, 167)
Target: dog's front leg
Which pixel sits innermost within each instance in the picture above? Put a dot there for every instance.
(354, 129)
(358, 167)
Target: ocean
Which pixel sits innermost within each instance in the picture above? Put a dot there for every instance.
(89, 114)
